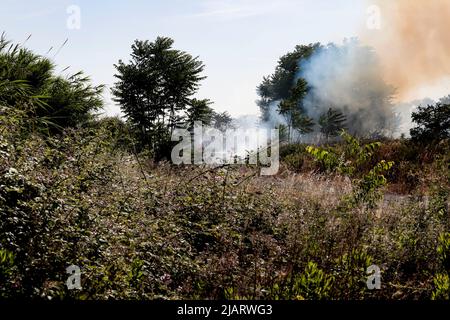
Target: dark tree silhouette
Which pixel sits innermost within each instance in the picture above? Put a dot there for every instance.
(199, 110)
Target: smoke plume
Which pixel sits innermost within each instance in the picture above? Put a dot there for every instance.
(347, 78)
(413, 44)
(378, 80)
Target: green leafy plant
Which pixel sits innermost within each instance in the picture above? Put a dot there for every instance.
(349, 161)
(327, 159)
(7, 269)
(443, 250)
(441, 287)
(350, 275)
(312, 284)
(441, 280)
(368, 188)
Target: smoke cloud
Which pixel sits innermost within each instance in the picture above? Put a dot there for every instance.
(413, 44)
(378, 80)
(347, 78)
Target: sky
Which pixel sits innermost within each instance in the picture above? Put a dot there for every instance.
(239, 41)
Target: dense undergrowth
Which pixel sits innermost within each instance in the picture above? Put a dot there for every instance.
(139, 230)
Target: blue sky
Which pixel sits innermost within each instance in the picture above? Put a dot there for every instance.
(239, 41)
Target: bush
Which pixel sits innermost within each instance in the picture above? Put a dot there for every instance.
(28, 82)
(165, 232)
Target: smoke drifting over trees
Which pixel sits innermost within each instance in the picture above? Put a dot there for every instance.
(344, 78)
(376, 81)
(347, 78)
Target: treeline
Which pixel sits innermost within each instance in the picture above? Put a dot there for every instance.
(156, 92)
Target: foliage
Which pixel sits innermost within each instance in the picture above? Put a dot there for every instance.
(199, 110)
(71, 100)
(143, 231)
(28, 82)
(301, 92)
(291, 109)
(222, 121)
(433, 123)
(332, 123)
(154, 90)
(278, 86)
(350, 274)
(312, 284)
(350, 160)
(442, 287)
(441, 280)
(443, 250)
(6, 272)
(368, 188)
(327, 159)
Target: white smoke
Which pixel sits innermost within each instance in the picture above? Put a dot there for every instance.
(403, 113)
(347, 78)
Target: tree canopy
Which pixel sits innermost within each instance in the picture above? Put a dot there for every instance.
(433, 122)
(281, 84)
(155, 89)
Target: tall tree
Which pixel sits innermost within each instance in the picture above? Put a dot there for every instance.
(364, 96)
(154, 88)
(222, 121)
(278, 86)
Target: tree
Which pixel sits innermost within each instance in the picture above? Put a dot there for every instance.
(433, 123)
(291, 109)
(331, 123)
(199, 110)
(154, 88)
(345, 76)
(278, 86)
(222, 121)
(302, 123)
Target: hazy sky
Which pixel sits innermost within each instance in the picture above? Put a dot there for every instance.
(239, 41)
